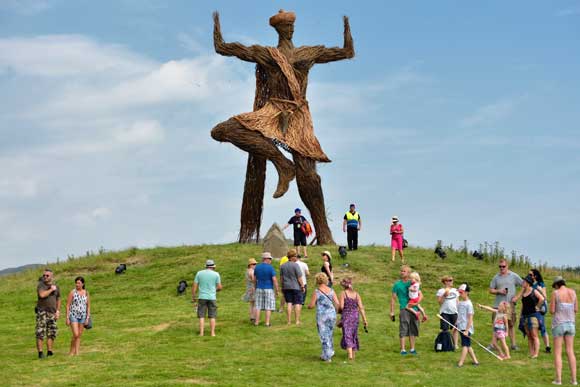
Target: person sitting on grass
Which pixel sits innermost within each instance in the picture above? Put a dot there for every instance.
(465, 314)
(415, 297)
(500, 325)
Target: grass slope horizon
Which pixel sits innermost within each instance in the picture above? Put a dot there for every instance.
(145, 335)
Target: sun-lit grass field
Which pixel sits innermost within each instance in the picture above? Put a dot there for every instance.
(146, 335)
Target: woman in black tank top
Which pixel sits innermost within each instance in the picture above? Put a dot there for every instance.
(531, 300)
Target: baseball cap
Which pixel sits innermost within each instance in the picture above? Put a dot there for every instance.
(464, 288)
(297, 210)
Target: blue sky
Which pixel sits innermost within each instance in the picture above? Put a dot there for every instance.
(461, 118)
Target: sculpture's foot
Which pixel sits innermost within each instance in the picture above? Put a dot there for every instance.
(285, 175)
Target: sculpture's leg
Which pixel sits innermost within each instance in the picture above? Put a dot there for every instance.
(253, 203)
(310, 191)
(254, 142)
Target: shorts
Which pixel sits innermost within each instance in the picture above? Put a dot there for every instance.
(542, 324)
(46, 325)
(408, 324)
(531, 321)
(466, 340)
(73, 319)
(564, 329)
(209, 305)
(299, 239)
(397, 244)
(293, 296)
(500, 334)
(265, 299)
(452, 318)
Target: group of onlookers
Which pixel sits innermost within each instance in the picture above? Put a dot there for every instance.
(262, 288)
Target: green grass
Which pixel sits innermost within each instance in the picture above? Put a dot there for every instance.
(145, 335)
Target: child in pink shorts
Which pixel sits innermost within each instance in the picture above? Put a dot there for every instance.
(500, 326)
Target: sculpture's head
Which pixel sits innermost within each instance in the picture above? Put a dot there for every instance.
(283, 22)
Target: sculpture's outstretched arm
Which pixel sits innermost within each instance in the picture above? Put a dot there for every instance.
(336, 53)
(255, 54)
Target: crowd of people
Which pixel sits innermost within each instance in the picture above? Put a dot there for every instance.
(263, 287)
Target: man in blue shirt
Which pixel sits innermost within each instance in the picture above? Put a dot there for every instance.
(208, 282)
(266, 286)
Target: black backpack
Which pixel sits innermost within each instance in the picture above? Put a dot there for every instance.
(342, 251)
(444, 342)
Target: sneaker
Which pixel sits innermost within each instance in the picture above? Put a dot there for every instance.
(403, 352)
(515, 348)
(548, 349)
(413, 352)
(557, 383)
(491, 347)
(49, 353)
(41, 355)
(475, 364)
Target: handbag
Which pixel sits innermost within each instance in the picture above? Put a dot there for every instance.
(89, 324)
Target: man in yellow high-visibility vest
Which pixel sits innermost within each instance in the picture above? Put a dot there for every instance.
(351, 225)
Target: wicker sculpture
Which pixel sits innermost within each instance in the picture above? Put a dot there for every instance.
(280, 119)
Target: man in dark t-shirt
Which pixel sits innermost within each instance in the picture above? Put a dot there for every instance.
(298, 222)
(47, 312)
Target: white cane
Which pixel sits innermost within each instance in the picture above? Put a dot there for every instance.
(477, 342)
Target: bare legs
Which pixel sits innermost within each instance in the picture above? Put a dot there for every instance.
(401, 255)
(268, 315)
(254, 142)
(75, 341)
(569, 343)
(202, 326)
(297, 310)
(464, 352)
(40, 344)
(533, 342)
(411, 342)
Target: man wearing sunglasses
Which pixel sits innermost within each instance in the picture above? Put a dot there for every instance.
(503, 286)
(47, 312)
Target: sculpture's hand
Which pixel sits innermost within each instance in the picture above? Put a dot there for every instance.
(346, 25)
(217, 30)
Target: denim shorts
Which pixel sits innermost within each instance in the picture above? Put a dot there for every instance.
(73, 319)
(565, 329)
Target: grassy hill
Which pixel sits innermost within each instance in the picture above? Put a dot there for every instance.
(145, 335)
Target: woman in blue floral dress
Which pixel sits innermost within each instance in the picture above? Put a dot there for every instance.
(351, 305)
(326, 303)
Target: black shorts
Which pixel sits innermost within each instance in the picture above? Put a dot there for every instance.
(452, 318)
(293, 296)
(465, 340)
(299, 239)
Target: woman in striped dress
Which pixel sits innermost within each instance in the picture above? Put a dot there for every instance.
(78, 311)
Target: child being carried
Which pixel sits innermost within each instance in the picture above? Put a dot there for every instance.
(415, 296)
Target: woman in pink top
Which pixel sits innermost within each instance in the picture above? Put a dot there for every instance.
(396, 238)
(563, 306)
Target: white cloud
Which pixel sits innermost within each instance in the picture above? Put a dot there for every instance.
(18, 187)
(143, 132)
(68, 55)
(490, 113)
(92, 217)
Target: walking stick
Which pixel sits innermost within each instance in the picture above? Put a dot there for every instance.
(477, 342)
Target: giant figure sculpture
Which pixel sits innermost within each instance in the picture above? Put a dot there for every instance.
(281, 119)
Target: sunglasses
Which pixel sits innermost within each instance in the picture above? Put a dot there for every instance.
(449, 280)
(502, 266)
(46, 275)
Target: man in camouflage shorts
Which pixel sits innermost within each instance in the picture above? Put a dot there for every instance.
(47, 312)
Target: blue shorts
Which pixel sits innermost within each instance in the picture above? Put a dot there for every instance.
(465, 340)
(73, 319)
(293, 296)
(564, 329)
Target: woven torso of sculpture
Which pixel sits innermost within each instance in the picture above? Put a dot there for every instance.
(285, 115)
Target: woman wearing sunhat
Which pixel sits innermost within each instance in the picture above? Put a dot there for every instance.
(563, 307)
(396, 238)
(327, 267)
(249, 295)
